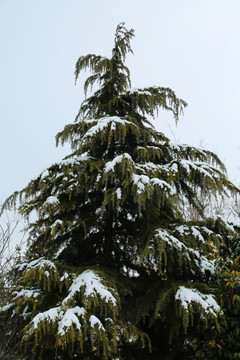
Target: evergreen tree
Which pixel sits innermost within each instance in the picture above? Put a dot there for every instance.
(224, 344)
(112, 269)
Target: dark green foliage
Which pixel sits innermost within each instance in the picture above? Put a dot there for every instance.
(224, 344)
(112, 270)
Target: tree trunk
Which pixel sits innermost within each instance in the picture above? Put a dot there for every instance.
(108, 244)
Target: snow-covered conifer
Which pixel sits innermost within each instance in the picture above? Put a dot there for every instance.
(112, 270)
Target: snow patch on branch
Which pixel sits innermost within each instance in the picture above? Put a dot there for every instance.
(65, 319)
(141, 181)
(194, 230)
(163, 184)
(186, 165)
(201, 261)
(103, 123)
(170, 239)
(137, 91)
(27, 293)
(110, 165)
(119, 193)
(94, 321)
(188, 296)
(6, 307)
(64, 276)
(196, 233)
(52, 200)
(199, 166)
(41, 263)
(76, 159)
(57, 222)
(91, 282)
(69, 319)
(51, 315)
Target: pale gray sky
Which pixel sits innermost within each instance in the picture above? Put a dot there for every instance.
(191, 46)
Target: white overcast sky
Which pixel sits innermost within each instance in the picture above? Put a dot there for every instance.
(191, 46)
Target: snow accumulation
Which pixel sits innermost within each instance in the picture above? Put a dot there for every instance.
(197, 233)
(139, 91)
(94, 321)
(64, 276)
(200, 166)
(173, 168)
(188, 296)
(130, 272)
(76, 159)
(149, 166)
(61, 248)
(41, 263)
(185, 147)
(6, 307)
(103, 123)
(70, 318)
(56, 226)
(201, 261)
(110, 165)
(27, 293)
(45, 173)
(119, 193)
(170, 239)
(142, 180)
(155, 168)
(156, 147)
(57, 222)
(182, 228)
(52, 200)
(194, 230)
(228, 225)
(65, 319)
(91, 282)
(186, 165)
(163, 184)
(206, 230)
(51, 315)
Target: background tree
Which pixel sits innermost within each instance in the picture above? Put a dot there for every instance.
(9, 257)
(113, 269)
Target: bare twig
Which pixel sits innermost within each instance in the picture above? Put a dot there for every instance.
(11, 245)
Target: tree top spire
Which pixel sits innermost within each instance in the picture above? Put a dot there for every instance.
(122, 41)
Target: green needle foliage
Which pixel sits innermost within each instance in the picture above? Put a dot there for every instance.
(224, 344)
(112, 269)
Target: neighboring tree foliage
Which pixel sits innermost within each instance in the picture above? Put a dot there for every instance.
(224, 344)
(113, 270)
